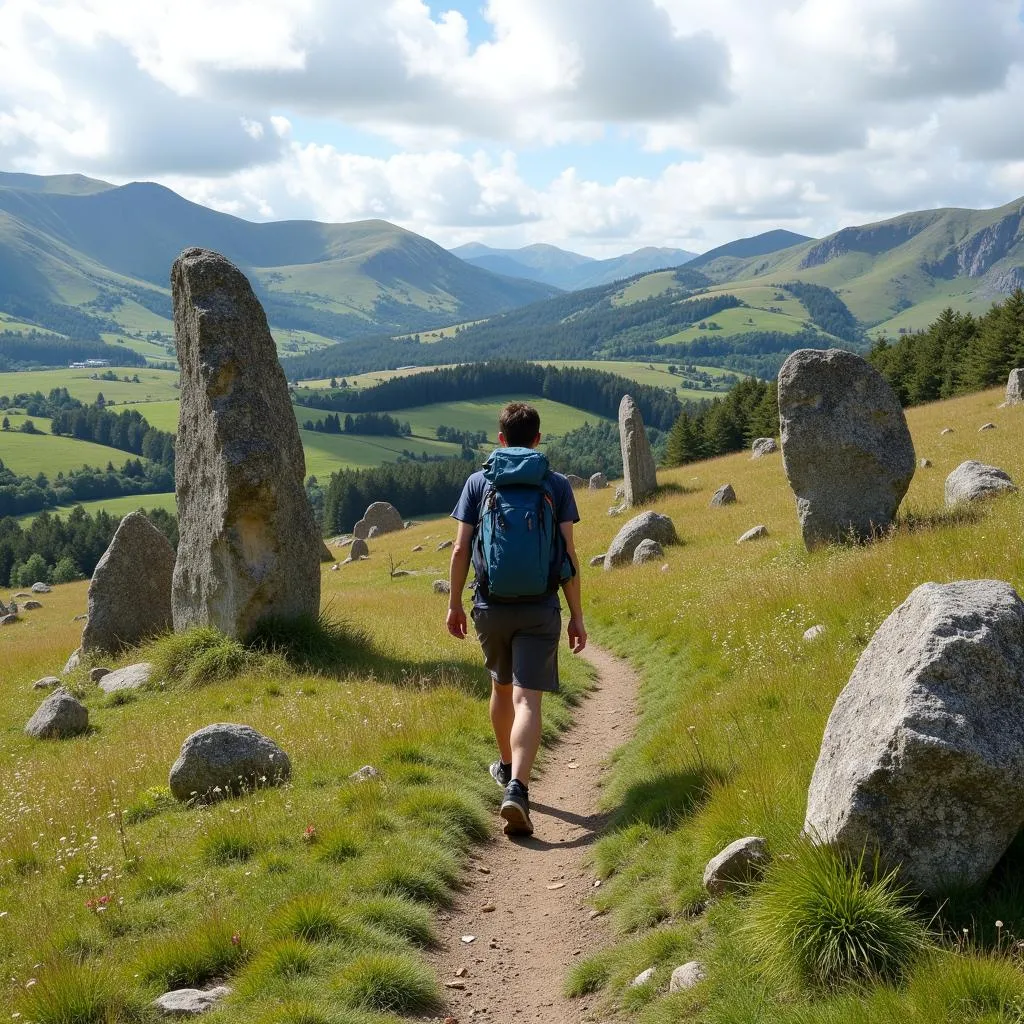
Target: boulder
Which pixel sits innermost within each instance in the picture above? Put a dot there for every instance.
(1015, 387)
(686, 976)
(754, 533)
(382, 515)
(374, 531)
(444, 545)
(130, 590)
(359, 549)
(31, 606)
(74, 660)
(986, 426)
(190, 1002)
(648, 551)
(41, 588)
(763, 446)
(8, 620)
(442, 587)
(249, 547)
(132, 677)
(59, 716)
(637, 458)
(813, 633)
(725, 495)
(947, 430)
(225, 758)
(576, 482)
(923, 754)
(846, 447)
(736, 866)
(642, 978)
(46, 683)
(325, 553)
(80, 618)
(596, 561)
(646, 526)
(972, 480)
(598, 482)
(97, 673)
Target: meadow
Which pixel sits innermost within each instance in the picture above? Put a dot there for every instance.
(29, 454)
(85, 385)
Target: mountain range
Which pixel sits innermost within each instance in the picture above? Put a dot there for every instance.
(569, 271)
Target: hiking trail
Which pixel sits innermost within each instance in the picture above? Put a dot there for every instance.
(539, 887)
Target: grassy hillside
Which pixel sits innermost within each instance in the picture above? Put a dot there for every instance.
(152, 385)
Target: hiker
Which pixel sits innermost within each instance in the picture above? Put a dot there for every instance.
(515, 521)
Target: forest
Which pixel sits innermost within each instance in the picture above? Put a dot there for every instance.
(34, 349)
(373, 424)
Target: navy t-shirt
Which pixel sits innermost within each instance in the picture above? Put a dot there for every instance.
(468, 511)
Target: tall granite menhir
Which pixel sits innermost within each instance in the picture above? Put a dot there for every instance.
(248, 545)
(641, 478)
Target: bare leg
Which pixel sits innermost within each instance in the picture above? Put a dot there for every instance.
(502, 717)
(525, 732)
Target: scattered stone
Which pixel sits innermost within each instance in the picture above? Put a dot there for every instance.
(467, 939)
(249, 547)
(346, 542)
(359, 549)
(664, 568)
(80, 618)
(647, 551)
(763, 446)
(190, 1002)
(59, 717)
(335, 567)
(620, 493)
(986, 426)
(41, 588)
(132, 677)
(419, 547)
(9, 619)
(725, 495)
(325, 553)
(74, 660)
(642, 978)
(488, 908)
(226, 758)
(596, 561)
(923, 755)
(754, 533)
(846, 447)
(382, 515)
(947, 430)
(641, 477)
(925, 463)
(686, 977)
(972, 480)
(598, 482)
(444, 545)
(813, 633)
(738, 864)
(46, 683)
(21, 594)
(442, 587)
(96, 674)
(398, 573)
(646, 526)
(575, 482)
(617, 510)
(31, 606)
(1015, 387)
(458, 985)
(365, 774)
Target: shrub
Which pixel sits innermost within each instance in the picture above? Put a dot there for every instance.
(209, 950)
(69, 993)
(197, 657)
(823, 921)
(389, 982)
(66, 571)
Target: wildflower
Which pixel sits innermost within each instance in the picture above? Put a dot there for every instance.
(309, 833)
(999, 924)
(236, 939)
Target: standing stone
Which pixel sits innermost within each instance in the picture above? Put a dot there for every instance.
(576, 482)
(846, 447)
(325, 553)
(249, 547)
(598, 482)
(923, 754)
(359, 549)
(1015, 387)
(972, 480)
(58, 717)
(725, 495)
(130, 592)
(763, 446)
(227, 758)
(646, 526)
(379, 518)
(637, 458)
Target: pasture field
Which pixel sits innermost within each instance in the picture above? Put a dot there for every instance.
(739, 320)
(153, 386)
(29, 454)
(113, 506)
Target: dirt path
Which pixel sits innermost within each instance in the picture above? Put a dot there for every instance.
(538, 888)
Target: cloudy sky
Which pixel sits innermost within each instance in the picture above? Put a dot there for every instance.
(598, 125)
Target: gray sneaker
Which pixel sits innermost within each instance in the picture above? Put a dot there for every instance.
(501, 774)
(515, 809)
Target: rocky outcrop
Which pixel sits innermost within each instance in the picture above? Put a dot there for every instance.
(973, 480)
(846, 447)
(249, 547)
(872, 239)
(130, 591)
(923, 754)
(976, 255)
(223, 759)
(641, 477)
(646, 526)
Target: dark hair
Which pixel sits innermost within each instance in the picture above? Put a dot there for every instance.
(520, 423)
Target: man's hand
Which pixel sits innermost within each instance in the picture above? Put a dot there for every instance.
(577, 634)
(456, 622)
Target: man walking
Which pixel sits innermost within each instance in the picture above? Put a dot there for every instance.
(516, 522)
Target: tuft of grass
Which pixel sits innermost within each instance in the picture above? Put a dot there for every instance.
(208, 951)
(823, 921)
(315, 917)
(148, 804)
(158, 880)
(447, 810)
(338, 845)
(314, 643)
(398, 916)
(228, 844)
(590, 975)
(285, 959)
(197, 657)
(421, 871)
(389, 982)
(69, 993)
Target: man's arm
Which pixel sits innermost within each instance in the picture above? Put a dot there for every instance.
(572, 589)
(458, 571)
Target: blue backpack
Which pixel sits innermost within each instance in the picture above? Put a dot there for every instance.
(519, 552)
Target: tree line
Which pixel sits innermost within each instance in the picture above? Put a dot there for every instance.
(596, 448)
(591, 390)
(957, 353)
(827, 310)
(36, 349)
(373, 424)
(127, 431)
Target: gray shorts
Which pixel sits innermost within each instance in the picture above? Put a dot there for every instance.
(520, 644)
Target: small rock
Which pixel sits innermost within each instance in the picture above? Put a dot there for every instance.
(458, 985)
(399, 573)
(754, 533)
(620, 493)
(725, 495)
(41, 588)
(595, 914)
(21, 593)
(96, 674)
(947, 430)
(664, 568)
(73, 662)
(488, 908)
(190, 1002)
(467, 939)
(419, 547)
(925, 463)
(442, 587)
(461, 972)
(31, 606)
(617, 510)
(80, 618)
(763, 446)
(46, 683)
(335, 567)
(813, 633)
(364, 774)
(740, 862)
(642, 978)
(686, 977)
(444, 545)
(59, 716)
(647, 551)
(986, 426)
(8, 620)
(130, 678)
(596, 561)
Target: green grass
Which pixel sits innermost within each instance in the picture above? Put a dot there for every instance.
(28, 454)
(390, 983)
(153, 386)
(114, 506)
